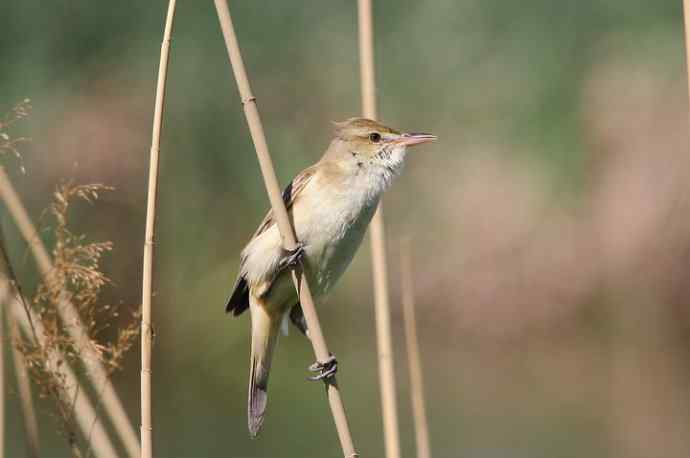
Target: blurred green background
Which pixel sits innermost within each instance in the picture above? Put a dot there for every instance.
(551, 220)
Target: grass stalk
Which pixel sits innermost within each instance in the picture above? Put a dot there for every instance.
(68, 313)
(378, 248)
(33, 444)
(84, 411)
(147, 280)
(22, 375)
(421, 426)
(686, 18)
(3, 389)
(287, 233)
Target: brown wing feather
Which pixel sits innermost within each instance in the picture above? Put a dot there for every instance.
(239, 299)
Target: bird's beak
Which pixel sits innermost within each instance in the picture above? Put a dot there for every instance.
(410, 139)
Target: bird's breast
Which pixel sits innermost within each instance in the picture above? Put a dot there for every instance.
(331, 224)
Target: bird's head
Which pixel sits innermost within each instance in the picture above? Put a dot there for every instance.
(372, 146)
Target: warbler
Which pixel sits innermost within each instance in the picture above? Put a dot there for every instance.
(330, 205)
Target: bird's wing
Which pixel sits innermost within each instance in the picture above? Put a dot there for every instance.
(291, 193)
(239, 299)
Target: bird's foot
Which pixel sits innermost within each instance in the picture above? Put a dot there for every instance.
(293, 257)
(326, 369)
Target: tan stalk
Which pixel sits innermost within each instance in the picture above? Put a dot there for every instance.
(85, 414)
(147, 283)
(288, 236)
(22, 375)
(69, 315)
(3, 389)
(25, 398)
(415, 365)
(686, 16)
(378, 249)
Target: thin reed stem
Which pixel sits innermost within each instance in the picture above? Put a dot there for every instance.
(68, 314)
(147, 281)
(84, 412)
(378, 249)
(33, 444)
(686, 17)
(421, 426)
(286, 231)
(8, 283)
(3, 389)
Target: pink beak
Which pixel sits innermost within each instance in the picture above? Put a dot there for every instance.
(410, 139)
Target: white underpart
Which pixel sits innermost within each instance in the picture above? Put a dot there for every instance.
(330, 220)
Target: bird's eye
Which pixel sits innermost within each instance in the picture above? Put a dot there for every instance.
(375, 137)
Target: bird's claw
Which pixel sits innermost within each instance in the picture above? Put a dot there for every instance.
(326, 369)
(293, 257)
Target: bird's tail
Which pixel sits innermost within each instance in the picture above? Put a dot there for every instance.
(265, 329)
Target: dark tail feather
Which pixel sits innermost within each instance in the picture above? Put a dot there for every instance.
(238, 301)
(264, 337)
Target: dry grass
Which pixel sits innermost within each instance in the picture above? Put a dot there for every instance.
(76, 279)
(10, 145)
(64, 321)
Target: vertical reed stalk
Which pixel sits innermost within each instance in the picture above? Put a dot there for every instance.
(84, 412)
(288, 236)
(686, 17)
(3, 389)
(69, 315)
(22, 375)
(416, 381)
(378, 248)
(24, 389)
(147, 282)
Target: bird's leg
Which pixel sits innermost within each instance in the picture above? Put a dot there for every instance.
(293, 257)
(326, 369)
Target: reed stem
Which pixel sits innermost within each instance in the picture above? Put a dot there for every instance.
(147, 280)
(378, 249)
(280, 212)
(421, 426)
(21, 374)
(686, 18)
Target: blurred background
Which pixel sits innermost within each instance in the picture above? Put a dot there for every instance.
(551, 221)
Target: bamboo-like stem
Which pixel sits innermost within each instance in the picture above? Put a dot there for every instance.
(686, 21)
(3, 389)
(378, 249)
(69, 315)
(33, 443)
(22, 375)
(7, 285)
(686, 17)
(280, 212)
(421, 426)
(85, 414)
(147, 283)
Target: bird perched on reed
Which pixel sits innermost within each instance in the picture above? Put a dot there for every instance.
(330, 205)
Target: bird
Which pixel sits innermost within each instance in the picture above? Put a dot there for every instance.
(330, 205)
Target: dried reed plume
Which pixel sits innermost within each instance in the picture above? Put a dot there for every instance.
(10, 145)
(98, 375)
(75, 280)
(286, 231)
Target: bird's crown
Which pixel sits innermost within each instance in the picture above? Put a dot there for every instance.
(354, 128)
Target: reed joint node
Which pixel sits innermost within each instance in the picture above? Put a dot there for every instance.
(248, 100)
